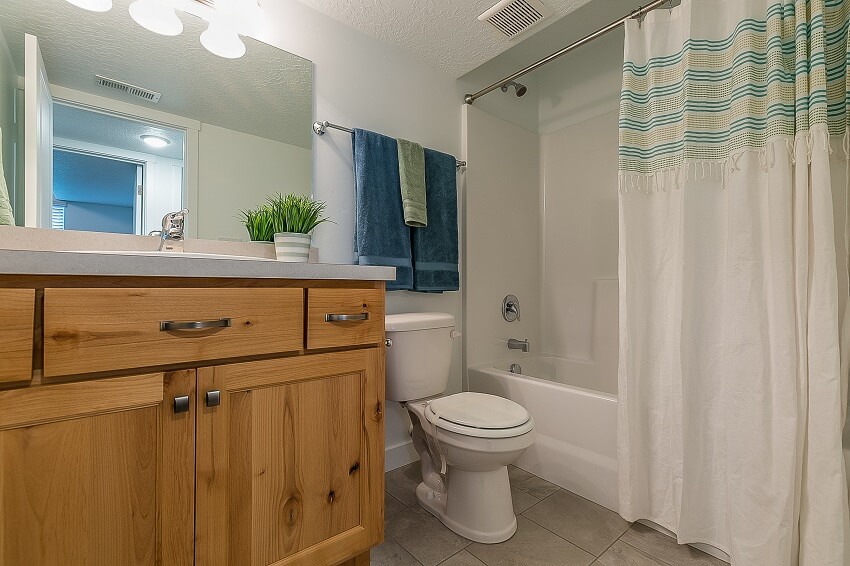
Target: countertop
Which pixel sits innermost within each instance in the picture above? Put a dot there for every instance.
(39, 251)
(42, 262)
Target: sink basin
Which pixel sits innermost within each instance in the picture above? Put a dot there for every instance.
(185, 255)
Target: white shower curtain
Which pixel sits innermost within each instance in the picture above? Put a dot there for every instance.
(733, 278)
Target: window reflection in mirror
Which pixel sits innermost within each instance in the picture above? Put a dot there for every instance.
(111, 174)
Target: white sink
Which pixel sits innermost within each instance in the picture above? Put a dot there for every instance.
(186, 255)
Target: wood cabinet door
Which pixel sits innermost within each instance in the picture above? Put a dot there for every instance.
(97, 472)
(290, 462)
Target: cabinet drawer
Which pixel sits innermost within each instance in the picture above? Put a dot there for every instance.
(95, 330)
(16, 334)
(344, 317)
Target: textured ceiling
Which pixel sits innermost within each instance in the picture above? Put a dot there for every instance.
(446, 33)
(268, 92)
(103, 129)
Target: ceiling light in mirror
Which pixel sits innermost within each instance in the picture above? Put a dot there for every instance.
(155, 141)
(157, 16)
(93, 5)
(223, 41)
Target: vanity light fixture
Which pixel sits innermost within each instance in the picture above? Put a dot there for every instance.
(228, 19)
(219, 39)
(158, 16)
(155, 141)
(93, 5)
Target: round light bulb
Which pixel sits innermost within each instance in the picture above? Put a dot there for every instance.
(220, 40)
(155, 141)
(156, 16)
(93, 5)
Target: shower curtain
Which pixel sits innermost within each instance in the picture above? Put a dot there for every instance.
(733, 277)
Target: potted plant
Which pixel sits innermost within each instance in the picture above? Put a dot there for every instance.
(259, 222)
(294, 217)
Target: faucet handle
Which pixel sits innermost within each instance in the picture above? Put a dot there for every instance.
(510, 308)
(173, 222)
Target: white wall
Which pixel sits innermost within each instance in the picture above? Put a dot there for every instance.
(237, 171)
(503, 238)
(359, 81)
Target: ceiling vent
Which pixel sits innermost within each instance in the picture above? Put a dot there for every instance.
(132, 90)
(513, 17)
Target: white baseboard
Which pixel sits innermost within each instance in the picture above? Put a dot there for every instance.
(399, 455)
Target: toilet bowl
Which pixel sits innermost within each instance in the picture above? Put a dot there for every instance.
(465, 441)
(472, 495)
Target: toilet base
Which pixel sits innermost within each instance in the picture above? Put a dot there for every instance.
(477, 506)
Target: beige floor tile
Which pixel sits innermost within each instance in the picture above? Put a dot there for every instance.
(666, 548)
(532, 545)
(390, 553)
(392, 505)
(423, 536)
(463, 558)
(401, 483)
(582, 522)
(522, 500)
(531, 484)
(621, 554)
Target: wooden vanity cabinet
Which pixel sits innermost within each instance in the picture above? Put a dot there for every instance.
(269, 459)
(288, 468)
(97, 472)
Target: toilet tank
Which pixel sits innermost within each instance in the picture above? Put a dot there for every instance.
(420, 356)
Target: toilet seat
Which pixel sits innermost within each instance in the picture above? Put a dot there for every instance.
(479, 415)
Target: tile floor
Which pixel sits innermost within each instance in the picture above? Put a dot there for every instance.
(556, 528)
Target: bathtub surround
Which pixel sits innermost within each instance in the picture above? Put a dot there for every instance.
(502, 235)
(733, 280)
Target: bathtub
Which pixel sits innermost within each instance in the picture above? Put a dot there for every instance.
(575, 415)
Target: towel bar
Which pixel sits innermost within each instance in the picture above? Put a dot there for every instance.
(321, 127)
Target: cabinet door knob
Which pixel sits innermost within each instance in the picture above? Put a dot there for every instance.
(181, 404)
(213, 398)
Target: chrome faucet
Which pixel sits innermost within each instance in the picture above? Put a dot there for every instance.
(171, 235)
(514, 344)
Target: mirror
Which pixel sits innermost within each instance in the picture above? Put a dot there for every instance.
(144, 124)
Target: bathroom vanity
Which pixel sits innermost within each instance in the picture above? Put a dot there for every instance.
(207, 419)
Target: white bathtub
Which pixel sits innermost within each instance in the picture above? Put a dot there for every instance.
(575, 416)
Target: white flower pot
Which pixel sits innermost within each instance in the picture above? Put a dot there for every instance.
(292, 247)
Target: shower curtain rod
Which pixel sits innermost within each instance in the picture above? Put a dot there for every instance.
(470, 98)
(319, 128)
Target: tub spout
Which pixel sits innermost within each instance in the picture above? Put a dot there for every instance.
(514, 344)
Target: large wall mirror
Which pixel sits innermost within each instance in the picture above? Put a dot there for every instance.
(132, 124)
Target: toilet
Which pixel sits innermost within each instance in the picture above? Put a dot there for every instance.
(465, 441)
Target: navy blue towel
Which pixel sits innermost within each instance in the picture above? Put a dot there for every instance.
(382, 236)
(435, 247)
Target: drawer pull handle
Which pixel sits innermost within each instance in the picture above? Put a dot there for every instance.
(194, 324)
(345, 317)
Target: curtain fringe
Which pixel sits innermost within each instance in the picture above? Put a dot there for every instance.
(719, 170)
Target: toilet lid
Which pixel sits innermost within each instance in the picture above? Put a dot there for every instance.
(477, 410)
